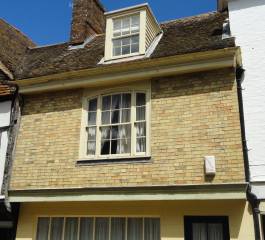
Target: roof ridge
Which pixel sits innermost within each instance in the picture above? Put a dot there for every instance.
(18, 31)
(188, 17)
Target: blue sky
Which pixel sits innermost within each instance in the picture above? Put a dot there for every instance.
(48, 21)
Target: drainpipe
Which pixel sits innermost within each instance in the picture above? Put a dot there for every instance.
(251, 197)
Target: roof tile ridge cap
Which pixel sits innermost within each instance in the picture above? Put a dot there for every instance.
(19, 31)
(19, 66)
(189, 18)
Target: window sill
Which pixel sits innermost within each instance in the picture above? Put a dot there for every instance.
(140, 159)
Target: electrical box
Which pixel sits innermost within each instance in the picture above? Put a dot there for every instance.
(210, 166)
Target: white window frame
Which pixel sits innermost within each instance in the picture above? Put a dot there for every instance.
(94, 220)
(110, 31)
(143, 87)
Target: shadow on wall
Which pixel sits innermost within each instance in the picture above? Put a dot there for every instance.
(194, 84)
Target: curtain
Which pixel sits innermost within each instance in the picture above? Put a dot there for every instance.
(71, 228)
(135, 229)
(151, 229)
(43, 228)
(215, 231)
(102, 229)
(118, 229)
(56, 228)
(199, 231)
(86, 229)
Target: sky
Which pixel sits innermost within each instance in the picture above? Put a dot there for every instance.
(47, 22)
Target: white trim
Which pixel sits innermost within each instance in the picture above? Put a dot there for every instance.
(144, 87)
(127, 9)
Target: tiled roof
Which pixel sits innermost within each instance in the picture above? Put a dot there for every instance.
(188, 35)
(13, 45)
(6, 90)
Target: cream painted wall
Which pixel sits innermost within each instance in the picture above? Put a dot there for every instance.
(171, 214)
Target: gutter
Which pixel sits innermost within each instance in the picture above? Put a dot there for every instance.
(133, 71)
(251, 197)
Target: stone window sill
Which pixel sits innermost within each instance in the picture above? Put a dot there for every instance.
(106, 161)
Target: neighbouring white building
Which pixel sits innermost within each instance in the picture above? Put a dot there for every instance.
(247, 25)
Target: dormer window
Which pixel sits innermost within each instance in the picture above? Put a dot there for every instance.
(126, 32)
(130, 32)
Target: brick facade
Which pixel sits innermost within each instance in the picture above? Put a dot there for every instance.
(192, 115)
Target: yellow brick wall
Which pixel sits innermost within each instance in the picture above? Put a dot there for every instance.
(193, 115)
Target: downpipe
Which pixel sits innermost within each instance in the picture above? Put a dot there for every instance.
(251, 197)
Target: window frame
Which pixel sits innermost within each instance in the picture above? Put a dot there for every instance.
(110, 35)
(94, 221)
(189, 220)
(130, 35)
(133, 89)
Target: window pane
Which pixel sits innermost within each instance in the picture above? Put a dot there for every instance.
(86, 229)
(125, 131)
(106, 101)
(140, 99)
(117, 51)
(102, 229)
(126, 100)
(140, 113)
(124, 146)
(105, 132)
(141, 145)
(118, 229)
(43, 228)
(135, 20)
(115, 116)
(126, 116)
(126, 41)
(91, 147)
(92, 105)
(56, 228)
(115, 149)
(116, 101)
(92, 133)
(135, 40)
(199, 231)
(114, 132)
(117, 43)
(135, 229)
(105, 117)
(71, 228)
(135, 48)
(92, 116)
(152, 229)
(215, 231)
(125, 26)
(125, 50)
(140, 129)
(105, 147)
(117, 24)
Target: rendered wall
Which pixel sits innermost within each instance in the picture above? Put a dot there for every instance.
(247, 25)
(5, 108)
(171, 215)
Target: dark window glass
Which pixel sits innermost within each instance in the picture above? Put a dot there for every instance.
(43, 228)
(206, 228)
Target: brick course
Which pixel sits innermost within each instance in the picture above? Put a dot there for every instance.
(193, 115)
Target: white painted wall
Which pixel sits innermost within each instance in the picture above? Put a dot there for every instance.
(5, 108)
(247, 21)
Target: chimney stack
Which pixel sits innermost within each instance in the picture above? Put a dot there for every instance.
(88, 19)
